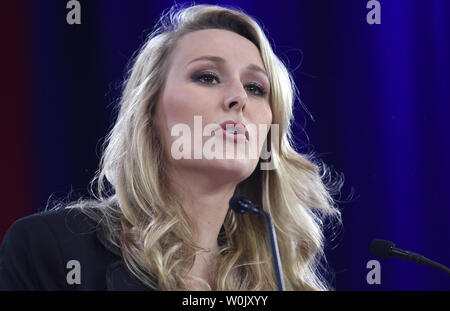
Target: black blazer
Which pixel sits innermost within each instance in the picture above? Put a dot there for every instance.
(36, 250)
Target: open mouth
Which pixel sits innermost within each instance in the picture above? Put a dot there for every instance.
(234, 130)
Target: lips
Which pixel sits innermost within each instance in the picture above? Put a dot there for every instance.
(237, 129)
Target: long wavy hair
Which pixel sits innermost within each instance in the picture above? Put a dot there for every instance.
(139, 213)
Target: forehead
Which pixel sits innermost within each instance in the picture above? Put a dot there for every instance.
(217, 42)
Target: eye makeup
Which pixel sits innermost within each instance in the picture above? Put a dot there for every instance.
(210, 78)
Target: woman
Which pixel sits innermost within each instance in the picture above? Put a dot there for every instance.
(162, 221)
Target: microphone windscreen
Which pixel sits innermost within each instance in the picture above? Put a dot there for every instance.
(382, 248)
(236, 203)
(240, 203)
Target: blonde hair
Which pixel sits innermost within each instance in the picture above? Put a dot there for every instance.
(139, 213)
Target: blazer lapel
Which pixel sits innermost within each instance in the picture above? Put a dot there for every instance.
(119, 279)
(117, 276)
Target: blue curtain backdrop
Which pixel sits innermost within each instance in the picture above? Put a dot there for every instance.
(379, 96)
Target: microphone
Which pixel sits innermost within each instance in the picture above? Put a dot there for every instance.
(387, 249)
(241, 205)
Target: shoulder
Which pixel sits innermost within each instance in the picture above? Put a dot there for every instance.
(67, 221)
(38, 250)
(51, 230)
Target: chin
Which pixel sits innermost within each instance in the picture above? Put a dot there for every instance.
(236, 169)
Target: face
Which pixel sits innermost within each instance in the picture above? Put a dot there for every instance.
(217, 93)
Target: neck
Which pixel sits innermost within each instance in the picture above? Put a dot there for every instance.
(205, 200)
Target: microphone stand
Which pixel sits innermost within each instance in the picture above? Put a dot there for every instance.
(241, 205)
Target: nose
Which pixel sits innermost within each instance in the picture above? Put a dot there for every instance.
(236, 98)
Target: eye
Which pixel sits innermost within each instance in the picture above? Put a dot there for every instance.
(206, 78)
(210, 78)
(256, 89)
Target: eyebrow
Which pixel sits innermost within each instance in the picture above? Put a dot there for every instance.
(218, 59)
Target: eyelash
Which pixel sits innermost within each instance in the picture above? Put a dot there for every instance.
(210, 75)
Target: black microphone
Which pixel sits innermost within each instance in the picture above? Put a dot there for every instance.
(241, 204)
(387, 249)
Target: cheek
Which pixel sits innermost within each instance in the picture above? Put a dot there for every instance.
(263, 119)
(175, 110)
(179, 106)
(268, 116)
(261, 113)
(182, 104)
(170, 110)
